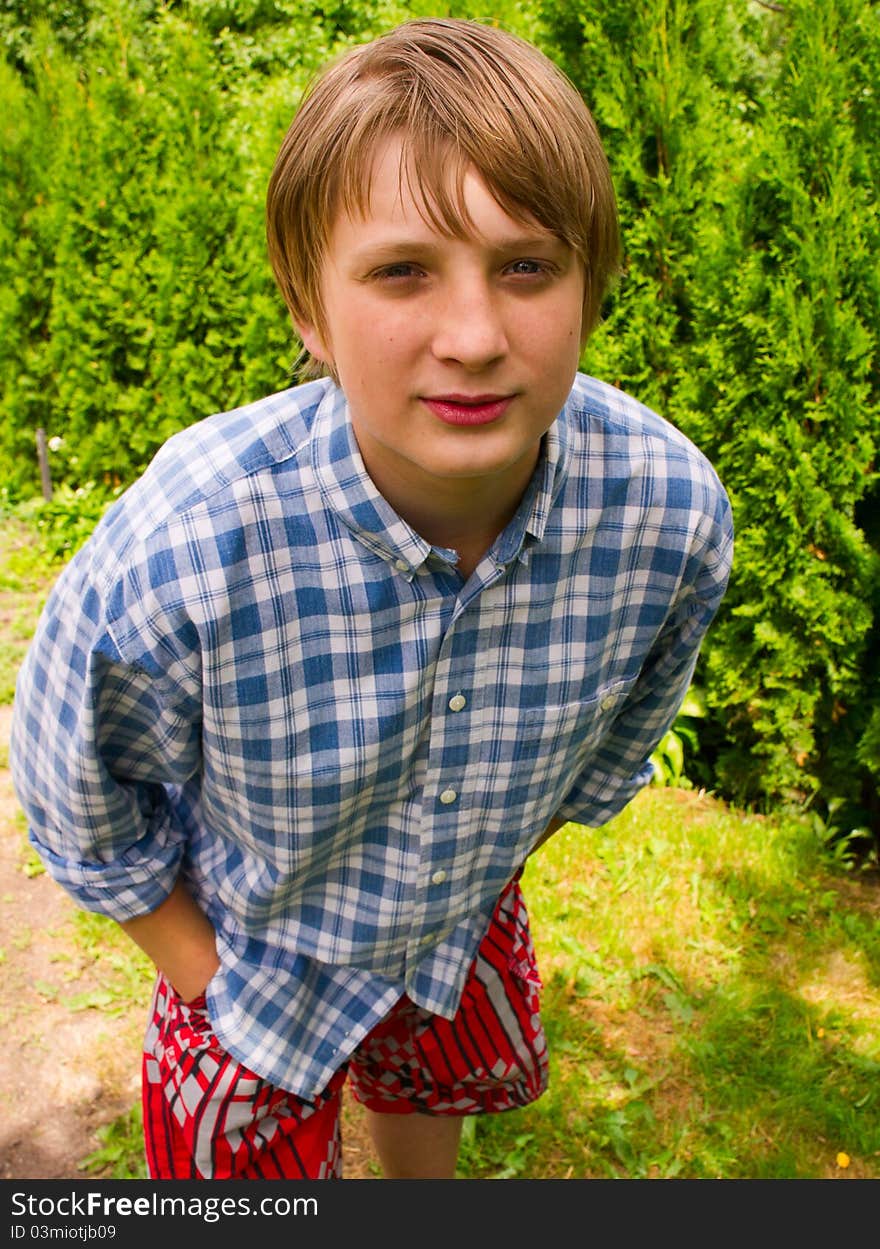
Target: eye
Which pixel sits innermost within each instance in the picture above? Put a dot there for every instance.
(530, 268)
(400, 270)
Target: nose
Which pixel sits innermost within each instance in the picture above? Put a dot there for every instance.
(469, 327)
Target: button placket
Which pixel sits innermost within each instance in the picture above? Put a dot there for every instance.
(454, 678)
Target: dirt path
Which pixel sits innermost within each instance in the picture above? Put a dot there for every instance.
(64, 1072)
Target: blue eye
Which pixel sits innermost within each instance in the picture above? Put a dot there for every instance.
(529, 269)
(403, 269)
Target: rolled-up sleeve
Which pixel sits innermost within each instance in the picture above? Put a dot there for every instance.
(98, 738)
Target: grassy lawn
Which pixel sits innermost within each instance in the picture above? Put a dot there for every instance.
(710, 1003)
(711, 987)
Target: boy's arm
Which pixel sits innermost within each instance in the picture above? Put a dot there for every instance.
(553, 827)
(96, 740)
(621, 764)
(179, 938)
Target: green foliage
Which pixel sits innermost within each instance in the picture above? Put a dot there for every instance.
(138, 296)
(787, 375)
(659, 77)
(26, 575)
(745, 148)
(64, 522)
(128, 973)
(488, 1151)
(785, 372)
(120, 1155)
(679, 743)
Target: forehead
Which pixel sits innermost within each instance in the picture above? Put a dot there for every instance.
(403, 188)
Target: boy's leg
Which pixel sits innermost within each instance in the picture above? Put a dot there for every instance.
(416, 1147)
(418, 1074)
(206, 1116)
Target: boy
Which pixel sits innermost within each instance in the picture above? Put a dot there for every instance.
(341, 660)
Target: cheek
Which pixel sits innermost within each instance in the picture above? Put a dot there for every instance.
(379, 331)
(369, 361)
(571, 341)
(554, 341)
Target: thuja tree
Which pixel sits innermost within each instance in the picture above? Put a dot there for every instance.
(745, 148)
(659, 78)
(785, 385)
(137, 295)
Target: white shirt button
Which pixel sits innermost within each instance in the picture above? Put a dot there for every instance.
(438, 877)
(607, 702)
(401, 565)
(457, 702)
(448, 795)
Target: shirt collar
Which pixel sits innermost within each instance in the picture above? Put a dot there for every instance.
(350, 492)
(527, 527)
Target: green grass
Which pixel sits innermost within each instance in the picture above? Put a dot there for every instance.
(127, 974)
(710, 1004)
(26, 574)
(120, 1155)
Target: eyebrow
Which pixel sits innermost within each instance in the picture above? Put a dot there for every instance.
(405, 248)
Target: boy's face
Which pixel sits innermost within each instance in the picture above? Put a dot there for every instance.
(455, 355)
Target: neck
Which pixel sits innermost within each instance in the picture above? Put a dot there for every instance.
(466, 515)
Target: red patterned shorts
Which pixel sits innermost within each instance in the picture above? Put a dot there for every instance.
(208, 1117)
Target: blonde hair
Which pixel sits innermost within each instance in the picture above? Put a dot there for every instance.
(462, 95)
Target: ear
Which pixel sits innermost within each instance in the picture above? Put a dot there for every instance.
(312, 340)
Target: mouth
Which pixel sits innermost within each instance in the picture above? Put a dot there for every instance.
(468, 409)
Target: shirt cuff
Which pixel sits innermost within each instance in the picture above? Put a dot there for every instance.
(601, 796)
(134, 884)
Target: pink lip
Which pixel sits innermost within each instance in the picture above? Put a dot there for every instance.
(468, 409)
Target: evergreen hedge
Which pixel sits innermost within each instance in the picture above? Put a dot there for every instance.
(135, 295)
(745, 143)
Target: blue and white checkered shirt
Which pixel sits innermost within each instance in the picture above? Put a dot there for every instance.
(256, 674)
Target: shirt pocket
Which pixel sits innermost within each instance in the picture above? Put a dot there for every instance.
(534, 756)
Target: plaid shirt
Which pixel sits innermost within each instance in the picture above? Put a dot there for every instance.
(256, 674)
